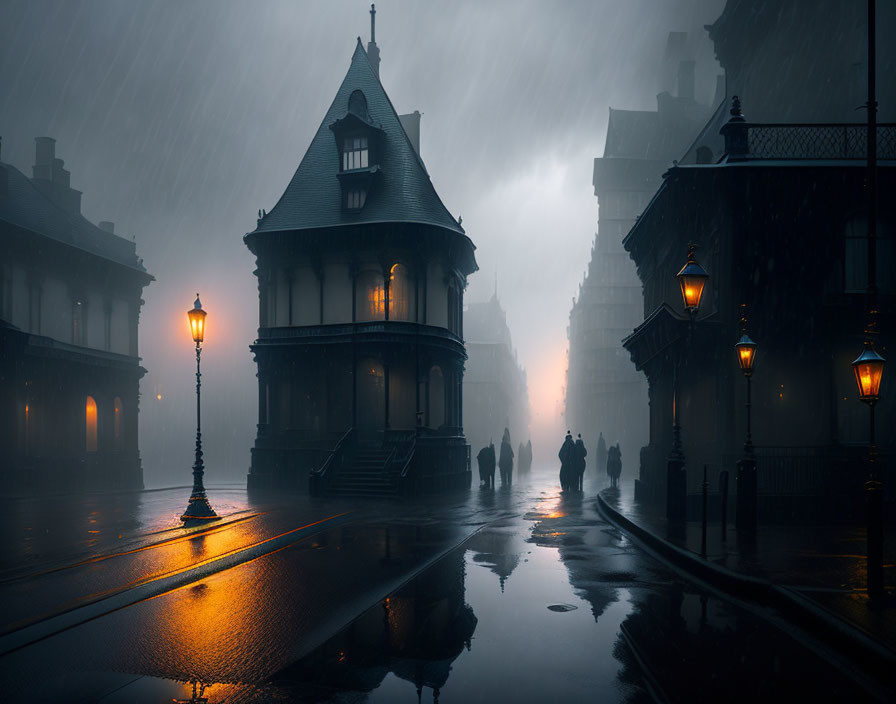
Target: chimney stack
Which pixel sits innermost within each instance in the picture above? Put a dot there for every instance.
(373, 51)
(411, 124)
(51, 179)
(686, 79)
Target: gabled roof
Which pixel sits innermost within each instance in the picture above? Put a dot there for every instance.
(403, 191)
(25, 206)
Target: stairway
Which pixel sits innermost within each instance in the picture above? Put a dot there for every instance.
(365, 475)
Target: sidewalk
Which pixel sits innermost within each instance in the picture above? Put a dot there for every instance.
(811, 575)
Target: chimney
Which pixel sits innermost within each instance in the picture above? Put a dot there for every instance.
(411, 124)
(107, 226)
(686, 79)
(51, 179)
(373, 51)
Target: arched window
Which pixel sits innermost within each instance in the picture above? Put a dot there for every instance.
(90, 414)
(371, 296)
(401, 294)
(118, 423)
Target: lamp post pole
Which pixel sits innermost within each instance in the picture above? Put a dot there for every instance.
(692, 279)
(198, 508)
(869, 365)
(747, 481)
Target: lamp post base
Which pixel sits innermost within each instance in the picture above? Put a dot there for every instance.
(199, 511)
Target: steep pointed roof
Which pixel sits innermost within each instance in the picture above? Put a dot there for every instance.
(403, 193)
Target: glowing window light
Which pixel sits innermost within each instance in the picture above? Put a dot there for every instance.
(90, 417)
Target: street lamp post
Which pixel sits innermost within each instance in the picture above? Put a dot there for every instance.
(747, 483)
(869, 365)
(198, 508)
(692, 280)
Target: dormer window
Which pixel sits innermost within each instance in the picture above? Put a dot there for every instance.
(355, 154)
(358, 142)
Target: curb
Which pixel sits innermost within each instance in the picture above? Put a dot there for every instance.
(840, 635)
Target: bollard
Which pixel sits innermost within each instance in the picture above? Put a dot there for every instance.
(705, 500)
(723, 490)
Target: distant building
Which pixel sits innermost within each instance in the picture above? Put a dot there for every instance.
(496, 395)
(780, 215)
(70, 297)
(604, 392)
(361, 272)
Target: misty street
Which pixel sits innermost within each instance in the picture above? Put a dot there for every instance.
(538, 573)
(447, 351)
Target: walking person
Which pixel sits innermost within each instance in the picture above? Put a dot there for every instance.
(581, 453)
(482, 461)
(614, 465)
(567, 455)
(505, 461)
(490, 466)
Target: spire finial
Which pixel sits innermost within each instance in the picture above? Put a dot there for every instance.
(373, 52)
(372, 23)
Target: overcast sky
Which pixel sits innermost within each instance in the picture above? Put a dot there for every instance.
(179, 120)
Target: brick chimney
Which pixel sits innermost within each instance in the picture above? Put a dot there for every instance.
(51, 179)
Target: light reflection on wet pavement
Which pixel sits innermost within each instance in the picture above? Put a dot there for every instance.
(545, 603)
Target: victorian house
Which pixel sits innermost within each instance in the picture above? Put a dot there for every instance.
(70, 297)
(361, 272)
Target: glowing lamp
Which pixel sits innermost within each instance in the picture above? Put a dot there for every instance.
(197, 321)
(746, 354)
(869, 370)
(692, 278)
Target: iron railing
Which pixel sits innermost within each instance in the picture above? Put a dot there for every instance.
(807, 141)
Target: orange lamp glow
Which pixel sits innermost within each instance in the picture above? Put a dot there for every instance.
(746, 354)
(869, 370)
(197, 321)
(692, 279)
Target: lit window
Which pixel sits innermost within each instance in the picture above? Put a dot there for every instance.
(90, 424)
(354, 153)
(355, 199)
(399, 293)
(376, 301)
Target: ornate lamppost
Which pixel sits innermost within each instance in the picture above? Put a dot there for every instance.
(869, 365)
(692, 280)
(198, 509)
(747, 483)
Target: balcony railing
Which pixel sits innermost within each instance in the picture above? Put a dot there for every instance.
(811, 141)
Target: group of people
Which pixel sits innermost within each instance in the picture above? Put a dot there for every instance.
(572, 462)
(488, 459)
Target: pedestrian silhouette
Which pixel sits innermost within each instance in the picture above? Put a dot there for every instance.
(581, 452)
(614, 464)
(567, 456)
(505, 461)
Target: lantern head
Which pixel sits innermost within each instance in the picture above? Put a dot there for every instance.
(869, 370)
(746, 354)
(197, 321)
(692, 278)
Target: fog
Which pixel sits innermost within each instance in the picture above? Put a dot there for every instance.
(179, 120)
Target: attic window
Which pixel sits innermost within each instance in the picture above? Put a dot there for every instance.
(355, 154)
(357, 105)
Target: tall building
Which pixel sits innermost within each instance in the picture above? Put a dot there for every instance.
(496, 395)
(361, 272)
(779, 210)
(70, 297)
(605, 393)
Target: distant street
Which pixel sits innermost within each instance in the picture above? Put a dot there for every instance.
(514, 595)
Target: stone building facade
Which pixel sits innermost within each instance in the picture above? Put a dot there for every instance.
(70, 298)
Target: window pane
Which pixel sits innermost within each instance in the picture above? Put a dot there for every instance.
(364, 159)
